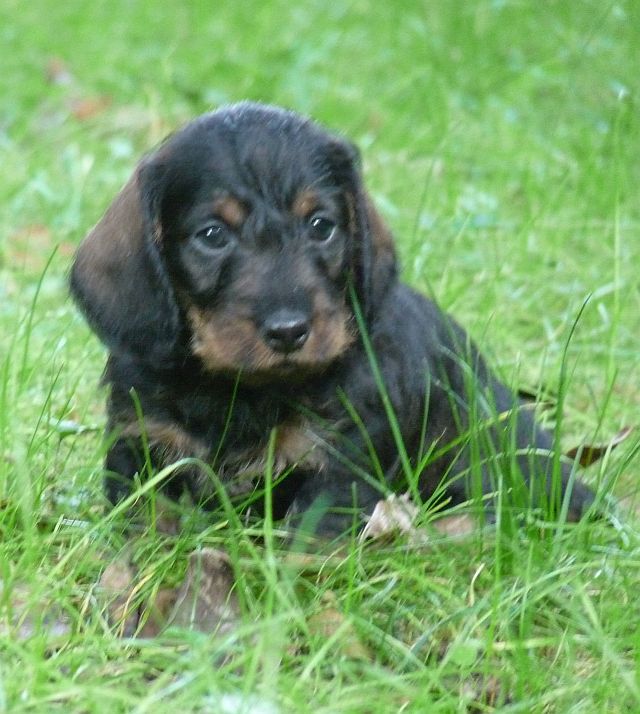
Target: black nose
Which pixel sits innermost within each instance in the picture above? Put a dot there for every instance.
(286, 330)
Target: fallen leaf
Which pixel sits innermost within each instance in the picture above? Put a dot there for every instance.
(328, 621)
(206, 600)
(84, 108)
(461, 524)
(588, 454)
(312, 562)
(24, 614)
(57, 72)
(116, 593)
(156, 613)
(395, 515)
(482, 691)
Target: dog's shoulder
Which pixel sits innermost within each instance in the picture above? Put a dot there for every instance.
(413, 321)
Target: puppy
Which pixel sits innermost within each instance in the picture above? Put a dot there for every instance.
(247, 291)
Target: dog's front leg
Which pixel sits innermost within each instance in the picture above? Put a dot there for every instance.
(140, 451)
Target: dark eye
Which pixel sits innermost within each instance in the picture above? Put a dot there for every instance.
(322, 229)
(215, 235)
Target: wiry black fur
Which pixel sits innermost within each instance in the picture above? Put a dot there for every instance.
(141, 271)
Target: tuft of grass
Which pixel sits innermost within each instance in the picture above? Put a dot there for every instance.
(500, 140)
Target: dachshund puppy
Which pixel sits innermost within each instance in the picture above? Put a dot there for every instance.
(247, 291)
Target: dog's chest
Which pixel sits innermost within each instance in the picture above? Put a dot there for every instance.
(247, 437)
(290, 445)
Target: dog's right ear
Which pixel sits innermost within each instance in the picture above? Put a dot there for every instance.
(119, 278)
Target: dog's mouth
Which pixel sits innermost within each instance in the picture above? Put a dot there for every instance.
(293, 364)
(287, 370)
(236, 346)
(288, 366)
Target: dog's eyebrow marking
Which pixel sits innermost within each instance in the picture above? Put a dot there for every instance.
(305, 203)
(231, 210)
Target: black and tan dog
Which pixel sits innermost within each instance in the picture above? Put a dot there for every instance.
(244, 283)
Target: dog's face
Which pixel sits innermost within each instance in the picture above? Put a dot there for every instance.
(256, 221)
(237, 241)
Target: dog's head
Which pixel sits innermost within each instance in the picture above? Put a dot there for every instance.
(237, 241)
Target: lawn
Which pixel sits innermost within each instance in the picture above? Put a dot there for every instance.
(501, 141)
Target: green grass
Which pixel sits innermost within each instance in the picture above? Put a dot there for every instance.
(501, 140)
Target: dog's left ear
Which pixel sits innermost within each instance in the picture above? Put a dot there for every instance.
(384, 265)
(374, 255)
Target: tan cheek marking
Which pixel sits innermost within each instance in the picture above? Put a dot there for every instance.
(226, 341)
(305, 203)
(333, 332)
(230, 210)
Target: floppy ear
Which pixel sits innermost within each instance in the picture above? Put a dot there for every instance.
(384, 265)
(119, 279)
(374, 255)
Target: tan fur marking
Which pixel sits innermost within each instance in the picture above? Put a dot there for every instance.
(297, 443)
(305, 203)
(230, 210)
(172, 441)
